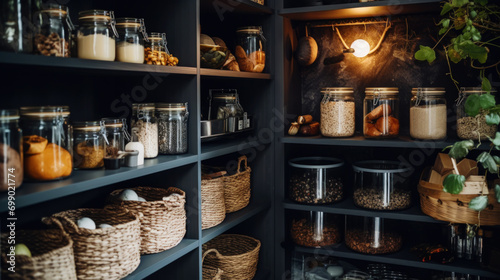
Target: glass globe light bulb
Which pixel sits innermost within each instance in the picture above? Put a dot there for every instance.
(361, 48)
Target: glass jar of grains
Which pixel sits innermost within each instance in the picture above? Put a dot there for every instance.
(381, 113)
(172, 127)
(130, 43)
(337, 112)
(144, 120)
(428, 114)
(11, 163)
(473, 127)
(89, 144)
(96, 35)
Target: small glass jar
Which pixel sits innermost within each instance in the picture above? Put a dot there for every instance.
(473, 127)
(381, 113)
(156, 51)
(116, 135)
(381, 185)
(428, 113)
(47, 142)
(53, 31)
(130, 43)
(11, 161)
(372, 235)
(144, 120)
(89, 144)
(96, 35)
(315, 229)
(225, 104)
(316, 180)
(15, 34)
(251, 49)
(337, 112)
(172, 127)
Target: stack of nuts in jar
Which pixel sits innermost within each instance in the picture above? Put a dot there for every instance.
(52, 45)
(159, 58)
(380, 122)
(304, 126)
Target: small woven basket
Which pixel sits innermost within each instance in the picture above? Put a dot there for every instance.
(213, 209)
(163, 220)
(52, 256)
(102, 253)
(237, 187)
(237, 255)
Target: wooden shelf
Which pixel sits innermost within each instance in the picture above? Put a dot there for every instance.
(233, 74)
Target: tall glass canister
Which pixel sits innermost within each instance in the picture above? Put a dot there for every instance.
(11, 161)
(53, 31)
(250, 49)
(146, 125)
(172, 127)
(381, 113)
(337, 112)
(428, 114)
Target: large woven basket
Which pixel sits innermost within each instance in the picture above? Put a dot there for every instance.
(52, 256)
(163, 217)
(210, 272)
(102, 253)
(237, 187)
(237, 255)
(213, 209)
(454, 208)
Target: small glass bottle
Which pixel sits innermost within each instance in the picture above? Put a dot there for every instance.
(473, 127)
(251, 49)
(135, 145)
(372, 235)
(130, 43)
(143, 118)
(116, 135)
(156, 51)
(337, 112)
(96, 35)
(172, 127)
(315, 229)
(11, 161)
(53, 31)
(47, 142)
(381, 113)
(428, 113)
(89, 144)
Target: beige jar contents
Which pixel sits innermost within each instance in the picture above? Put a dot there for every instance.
(474, 128)
(337, 119)
(96, 46)
(127, 52)
(428, 122)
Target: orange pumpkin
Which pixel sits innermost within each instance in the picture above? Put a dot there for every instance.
(53, 163)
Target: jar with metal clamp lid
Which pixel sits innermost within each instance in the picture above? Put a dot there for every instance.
(172, 127)
(155, 52)
(96, 35)
(225, 104)
(337, 112)
(130, 43)
(381, 113)
(89, 144)
(53, 31)
(116, 136)
(251, 49)
(144, 120)
(11, 161)
(473, 127)
(428, 114)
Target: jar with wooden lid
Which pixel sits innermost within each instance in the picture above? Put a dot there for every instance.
(96, 35)
(337, 112)
(172, 127)
(53, 31)
(473, 127)
(381, 113)
(130, 43)
(116, 135)
(144, 120)
(250, 49)
(89, 144)
(428, 114)
(11, 161)
(155, 52)
(47, 142)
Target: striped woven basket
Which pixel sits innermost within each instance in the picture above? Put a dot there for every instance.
(213, 209)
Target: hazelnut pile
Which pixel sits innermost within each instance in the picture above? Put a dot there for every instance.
(155, 57)
(52, 45)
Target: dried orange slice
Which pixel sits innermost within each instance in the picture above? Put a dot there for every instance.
(34, 144)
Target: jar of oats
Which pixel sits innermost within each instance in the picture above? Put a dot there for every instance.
(428, 114)
(473, 127)
(337, 112)
(144, 119)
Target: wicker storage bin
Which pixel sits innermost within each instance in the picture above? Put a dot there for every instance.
(213, 209)
(102, 253)
(237, 255)
(237, 187)
(163, 217)
(52, 256)
(210, 272)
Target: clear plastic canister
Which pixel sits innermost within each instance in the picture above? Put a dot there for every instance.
(89, 144)
(337, 112)
(315, 229)
(473, 127)
(11, 161)
(381, 113)
(428, 113)
(316, 180)
(372, 235)
(381, 185)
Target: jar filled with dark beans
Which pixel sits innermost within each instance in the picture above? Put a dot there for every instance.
(316, 180)
(315, 229)
(172, 128)
(381, 185)
(372, 235)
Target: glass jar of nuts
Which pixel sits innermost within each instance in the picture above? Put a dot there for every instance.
(53, 31)
(156, 52)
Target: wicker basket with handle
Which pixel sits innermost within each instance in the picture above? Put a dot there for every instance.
(52, 256)
(210, 272)
(213, 209)
(163, 217)
(237, 187)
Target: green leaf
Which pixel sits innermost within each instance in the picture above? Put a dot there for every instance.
(486, 85)
(478, 203)
(460, 149)
(481, 2)
(496, 140)
(474, 51)
(454, 55)
(473, 14)
(425, 53)
(459, 3)
(497, 192)
(492, 118)
(453, 183)
(443, 30)
(467, 35)
(472, 105)
(445, 22)
(497, 159)
(486, 101)
(446, 8)
(488, 162)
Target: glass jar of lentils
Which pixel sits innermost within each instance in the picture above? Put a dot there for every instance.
(316, 180)
(143, 118)
(337, 112)
(172, 127)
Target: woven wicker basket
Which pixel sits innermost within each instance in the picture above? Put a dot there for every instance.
(102, 253)
(237, 255)
(52, 256)
(210, 272)
(237, 187)
(163, 220)
(213, 209)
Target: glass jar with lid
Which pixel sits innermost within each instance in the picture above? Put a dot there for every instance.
(337, 112)
(96, 35)
(381, 185)
(316, 180)
(372, 235)
(225, 104)
(473, 127)
(315, 229)
(381, 113)
(11, 161)
(89, 144)
(428, 113)
(250, 49)
(156, 51)
(53, 30)
(172, 127)
(15, 34)
(116, 135)
(47, 142)
(144, 120)
(130, 43)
